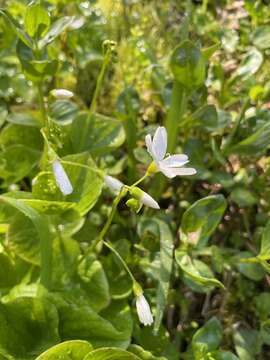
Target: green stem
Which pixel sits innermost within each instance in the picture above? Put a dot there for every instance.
(121, 259)
(99, 172)
(204, 6)
(175, 114)
(236, 126)
(101, 74)
(46, 252)
(45, 119)
(109, 220)
(46, 256)
(140, 180)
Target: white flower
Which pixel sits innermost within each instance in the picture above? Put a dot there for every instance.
(61, 178)
(62, 93)
(147, 200)
(172, 165)
(143, 310)
(113, 184)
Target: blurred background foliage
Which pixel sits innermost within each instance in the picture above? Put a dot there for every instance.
(218, 300)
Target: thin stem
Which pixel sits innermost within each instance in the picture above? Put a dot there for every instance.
(105, 63)
(109, 220)
(42, 105)
(99, 172)
(236, 126)
(121, 259)
(46, 257)
(46, 251)
(175, 114)
(140, 180)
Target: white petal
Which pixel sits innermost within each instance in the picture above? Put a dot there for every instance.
(148, 142)
(147, 200)
(175, 160)
(144, 311)
(61, 178)
(62, 93)
(171, 172)
(159, 145)
(184, 171)
(167, 171)
(113, 184)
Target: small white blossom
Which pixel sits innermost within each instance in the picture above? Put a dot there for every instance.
(147, 200)
(172, 165)
(61, 178)
(62, 93)
(143, 310)
(113, 184)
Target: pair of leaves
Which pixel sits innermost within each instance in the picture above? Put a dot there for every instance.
(37, 24)
(82, 350)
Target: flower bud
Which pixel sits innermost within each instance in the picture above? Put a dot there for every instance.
(62, 93)
(61, 178)
(143, 197)
(113, 184)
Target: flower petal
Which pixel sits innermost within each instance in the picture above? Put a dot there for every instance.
(61, 178)
(147, 200)
(171, 172)
(148, 142)
(175, 160)
(143, 310)
(113, 184)
(159, 145)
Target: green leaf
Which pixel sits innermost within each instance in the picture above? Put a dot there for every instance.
(206, 117)
(166, 263)
(205, 271)
(111, 327)
(37, 20)
(35, 69)
(98, 134)
(143, 354)
(253, 270)
(41, 225)
(87, 183)
(63, 111)
(201, 219)
(223, 355)
(243, 197)
(188, 65)
(27, 326)
(22, 238)
(209, 335)
(265, 243)
(209, 51)
(250, 64)
(68, 350)
(14, 134)
(189, 268)
(255, 144)
(247, 343)
(111, 354)
(94, 281)
(16, 162)
(55, 30)
(25, 119)
(261, 37)
(15, 26)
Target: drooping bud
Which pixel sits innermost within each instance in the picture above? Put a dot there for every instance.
(61, 178)
(143, 197)
(113, 184)
(62, 93)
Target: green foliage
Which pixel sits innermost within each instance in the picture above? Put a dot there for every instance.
(73, 257)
